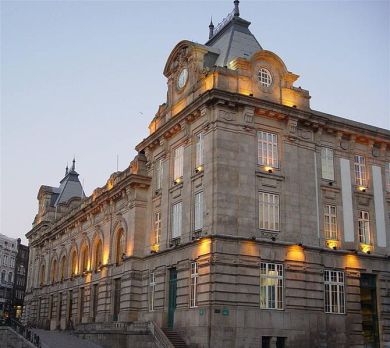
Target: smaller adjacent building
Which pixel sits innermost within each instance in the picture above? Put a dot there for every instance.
(19, 285)
(8, 252)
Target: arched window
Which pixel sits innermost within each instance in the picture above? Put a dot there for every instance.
(84, 258)
(74, 263)
(98, 254)
(3, 276)
(53, 273)
(62, 268)
(120, 247)
(10, 277)
(42, 275)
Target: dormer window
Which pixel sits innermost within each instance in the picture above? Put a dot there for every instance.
(265, 77)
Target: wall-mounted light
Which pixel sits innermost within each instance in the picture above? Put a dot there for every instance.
(178, 181)
(268, 169)
(155, 248)
(362, 188)
(332, 244)
(199, 169)
(365, 248)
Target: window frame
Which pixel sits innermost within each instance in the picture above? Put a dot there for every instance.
(159, 173)
(198, 211)
(329, 287)
(177, 220)
(360, 170)
(332, 231)
(273, 210)
(178, 162)
(264, 77)
(327, 163)
(199, 150)
(364, 230)
(157, 226)
(267, 149)
(194, 275)
(152, 290)
(278, 287)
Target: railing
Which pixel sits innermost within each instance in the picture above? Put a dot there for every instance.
(24, 331)
(159, 335)
(222, 24)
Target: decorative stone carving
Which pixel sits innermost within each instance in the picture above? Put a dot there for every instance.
(226, 115)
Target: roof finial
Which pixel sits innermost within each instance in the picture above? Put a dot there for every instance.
(211, 28)
(66, 169)
(236, 9)
(74, 164)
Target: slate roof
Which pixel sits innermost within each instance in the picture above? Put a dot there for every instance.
(233, 39)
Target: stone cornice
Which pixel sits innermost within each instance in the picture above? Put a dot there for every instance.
(313, 119)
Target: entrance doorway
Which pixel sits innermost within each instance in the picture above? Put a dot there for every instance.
(172, 297)
(369, 310)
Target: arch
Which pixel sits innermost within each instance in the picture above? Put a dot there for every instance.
(268, 55)
(181, 45)
(62, 268)
(97, 250)
(3, 275)
(42, 272)
(119, 246)
(53, 270)
(73, 260)
(9, 277)
(84, 255)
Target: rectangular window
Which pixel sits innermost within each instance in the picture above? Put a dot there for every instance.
(198, 211)
(330, 222)
(387, 176)
(271, 286)
(364, 227)
(152, 289)
(176, 220)
(327, 163)
(159, 173)
(194, 284)
(178, 162)
(334, 292)
(268, 211)
(157, 227)
(360, 171)
(5, 260)
(199, 150)
(267, 149)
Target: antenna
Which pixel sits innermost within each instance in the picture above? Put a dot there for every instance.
(117, 162)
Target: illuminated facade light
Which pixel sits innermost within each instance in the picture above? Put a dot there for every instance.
(362, 188)
(332, 244)
(155, 248)
(268, 169)
(365, 248)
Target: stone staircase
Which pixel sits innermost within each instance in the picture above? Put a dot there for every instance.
(174, 338)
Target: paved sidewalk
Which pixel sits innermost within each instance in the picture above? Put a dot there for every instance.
(59, 339)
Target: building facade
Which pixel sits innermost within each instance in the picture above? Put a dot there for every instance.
(247, 219)
(20, 279)
(8, 252)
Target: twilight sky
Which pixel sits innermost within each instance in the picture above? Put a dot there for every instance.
(85, 78)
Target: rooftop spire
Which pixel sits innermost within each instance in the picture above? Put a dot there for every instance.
(74, 164)
(236, 9)
(66, 169)
(211, 28)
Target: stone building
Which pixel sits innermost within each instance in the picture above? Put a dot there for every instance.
(247, 219)
(20, 279)
(8, 251)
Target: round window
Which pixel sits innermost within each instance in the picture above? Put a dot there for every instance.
(264, 77)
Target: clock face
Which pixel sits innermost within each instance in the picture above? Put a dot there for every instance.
(182, 80)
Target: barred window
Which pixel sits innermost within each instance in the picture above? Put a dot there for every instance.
(152, 289)
(268, 211)
(334, 292)
(198, 210)
(327, 163)
(264, 77)
(364, 227)
(176, 220)
(360, 171)
(271, 286)
(267, 145)
(330, 222)
(178, 162)
(194, 284)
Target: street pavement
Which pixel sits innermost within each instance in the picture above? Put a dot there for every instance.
(59, 339)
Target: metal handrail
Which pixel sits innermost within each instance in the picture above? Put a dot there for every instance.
(159, 335)
(24, 331)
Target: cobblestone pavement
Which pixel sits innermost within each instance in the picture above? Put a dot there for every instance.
(57, 339)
